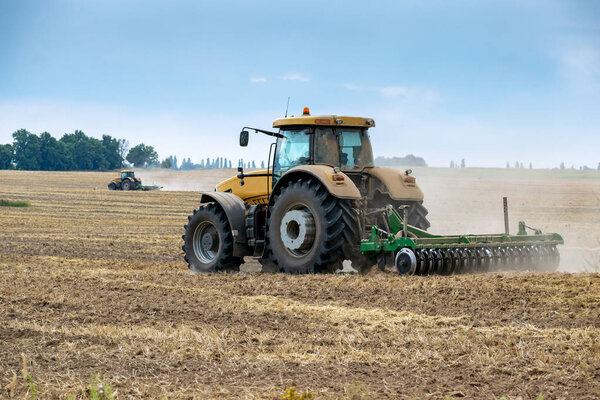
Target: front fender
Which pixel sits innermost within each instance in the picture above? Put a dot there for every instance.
(345, 189)
(235, 211)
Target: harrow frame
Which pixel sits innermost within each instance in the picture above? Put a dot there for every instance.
(481, 252)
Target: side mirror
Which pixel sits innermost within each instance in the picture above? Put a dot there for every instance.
(244, 136)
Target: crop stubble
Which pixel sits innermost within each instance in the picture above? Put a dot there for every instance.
(93, 281)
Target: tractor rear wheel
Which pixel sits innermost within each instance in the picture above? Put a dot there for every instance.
(305, 228)
(126, 185)
(208, 241)
(417, 213)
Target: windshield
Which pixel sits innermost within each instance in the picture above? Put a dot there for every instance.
(347, 148)
(293, 149)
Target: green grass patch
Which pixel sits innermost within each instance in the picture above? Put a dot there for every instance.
(9, 203)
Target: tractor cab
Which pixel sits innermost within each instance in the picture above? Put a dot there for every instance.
(347, 148)
(127, 174)
(336, 141)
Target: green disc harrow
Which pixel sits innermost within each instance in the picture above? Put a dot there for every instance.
(416, 252)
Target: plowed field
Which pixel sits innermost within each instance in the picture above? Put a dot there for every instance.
(93, 282)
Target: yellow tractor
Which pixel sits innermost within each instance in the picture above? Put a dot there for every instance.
(310, 209)
(128, 181)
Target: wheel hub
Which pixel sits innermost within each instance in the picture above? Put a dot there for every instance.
(206, 242)
(297, 231)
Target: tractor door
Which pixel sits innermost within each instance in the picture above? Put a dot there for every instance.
(292, 150)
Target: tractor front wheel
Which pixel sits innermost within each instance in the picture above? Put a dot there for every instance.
(208, 241)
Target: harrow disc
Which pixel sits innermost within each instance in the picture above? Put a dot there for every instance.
(477, 259)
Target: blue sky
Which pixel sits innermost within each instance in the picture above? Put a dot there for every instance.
(488, 81)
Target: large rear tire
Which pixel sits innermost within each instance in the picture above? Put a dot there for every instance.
(126, 185)
(208, 241)
(305, 228)
(417, 213)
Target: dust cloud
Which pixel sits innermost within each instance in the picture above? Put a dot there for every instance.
(196, 180)
(469, 200)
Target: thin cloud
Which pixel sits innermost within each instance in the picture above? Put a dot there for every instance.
(296, 77)
(393, 91)
(258, 80)
(351, 86)
(580, 64)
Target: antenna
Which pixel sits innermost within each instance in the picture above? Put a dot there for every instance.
(286, 107)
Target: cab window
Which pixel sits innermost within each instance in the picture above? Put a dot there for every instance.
(355, 149)
(292, 150)
(326, 147)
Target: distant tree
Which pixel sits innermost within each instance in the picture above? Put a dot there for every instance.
(86, 153)
(123, 149)
(54, 155)
(599, 166)
(141, 155)
(253, 164)
(6, 156)
(262, 164)
(26, 150)
(507, 164)
(230, 164)
(562, 165)
(112, 153)
(451, 164)
(530, 165)
(462, 163)
(167, 163)
(174, 163)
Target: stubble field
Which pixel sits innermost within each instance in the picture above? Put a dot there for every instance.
(93, 282)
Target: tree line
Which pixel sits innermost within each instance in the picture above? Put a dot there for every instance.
(73, 151)
(77, 151)
(408, 161)
(218, 162)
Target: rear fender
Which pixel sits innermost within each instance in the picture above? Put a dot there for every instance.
(394, 184)
(235, 211)
(345, 189)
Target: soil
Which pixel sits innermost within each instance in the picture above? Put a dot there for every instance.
(93, 282)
